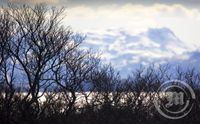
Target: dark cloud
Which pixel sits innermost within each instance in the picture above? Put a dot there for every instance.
(71, 3)
(120, 2)
(31, 2)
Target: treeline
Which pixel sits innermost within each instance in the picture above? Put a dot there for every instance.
(37, 50)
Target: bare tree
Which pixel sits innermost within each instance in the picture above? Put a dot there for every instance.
(41, 54)
(73, 74)
(7, 67)
(39, 43)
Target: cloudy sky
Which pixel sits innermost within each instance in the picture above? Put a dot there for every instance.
(133, 32)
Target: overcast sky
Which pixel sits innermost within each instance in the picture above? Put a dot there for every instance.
(133, 32)
(107, 2)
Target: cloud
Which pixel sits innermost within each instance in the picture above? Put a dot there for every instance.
(96, 3)
(136, 18)
(132, 34)
(34, 1)
(161, 35)
(127, 51)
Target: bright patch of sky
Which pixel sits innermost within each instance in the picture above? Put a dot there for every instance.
(133, 34)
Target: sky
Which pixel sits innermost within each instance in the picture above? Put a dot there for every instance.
(130, 33)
